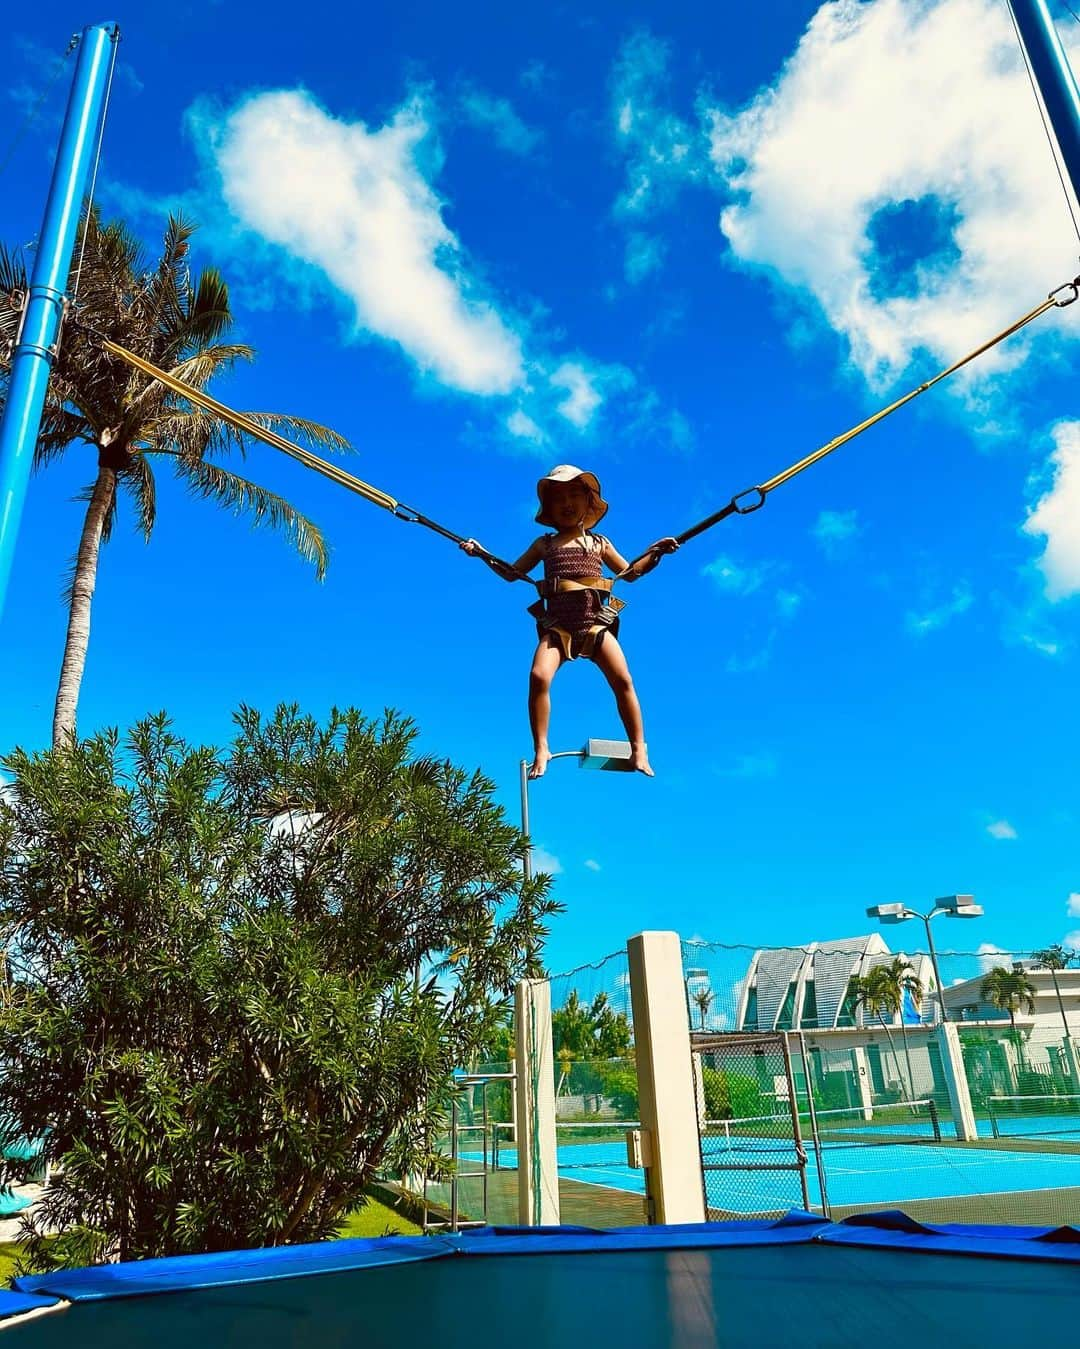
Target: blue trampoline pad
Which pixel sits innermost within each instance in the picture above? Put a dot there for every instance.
(802, 1282)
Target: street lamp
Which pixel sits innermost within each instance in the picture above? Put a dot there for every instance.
(611, 756)
(952, 906)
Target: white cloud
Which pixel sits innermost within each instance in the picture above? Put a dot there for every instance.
(1001, 829)
(1072, 940)
(990, 955)
(1072, 905)
(497, 115)
(933, 619)
(662, 150)
(833, 530)
(644, 254)
(542, 860)
(911, 105)
(1055, 516)
(358, 205)
(592, 864)
(583, 394)
(521, 425)
(788, 603)
(733, 578)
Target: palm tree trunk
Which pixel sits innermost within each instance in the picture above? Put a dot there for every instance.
(82, 594)
(907, 1055)
(892, 1046)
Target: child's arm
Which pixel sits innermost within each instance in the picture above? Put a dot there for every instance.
(515, 571)
(648, 560)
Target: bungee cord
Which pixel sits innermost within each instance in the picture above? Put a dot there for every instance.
(743, 503)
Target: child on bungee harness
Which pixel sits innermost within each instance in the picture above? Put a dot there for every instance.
(576, 615)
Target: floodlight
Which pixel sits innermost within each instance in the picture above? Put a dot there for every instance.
(954, 903)
(968, 911)
(610, 756)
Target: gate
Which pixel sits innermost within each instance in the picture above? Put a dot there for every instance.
(753, 1159)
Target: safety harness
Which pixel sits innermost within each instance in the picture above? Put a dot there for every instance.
(606, 621)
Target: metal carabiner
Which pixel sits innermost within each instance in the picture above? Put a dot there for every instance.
(1073, 287)
(748, 510)
(406, 513)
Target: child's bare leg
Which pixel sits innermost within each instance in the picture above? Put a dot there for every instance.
(546, 661)
(612, 662)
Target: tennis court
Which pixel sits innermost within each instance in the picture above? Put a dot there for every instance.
(894, 1158)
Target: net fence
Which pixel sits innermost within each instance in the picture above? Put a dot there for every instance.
(862, 1115)
(872, 1080)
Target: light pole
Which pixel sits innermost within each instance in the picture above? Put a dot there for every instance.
(952, 906)
(612, 756)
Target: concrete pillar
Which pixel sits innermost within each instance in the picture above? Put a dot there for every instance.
(952, 1064)
(862, 1081)
(538, 1169)
(673, 1181)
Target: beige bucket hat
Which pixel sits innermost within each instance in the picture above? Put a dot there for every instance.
(570, 473)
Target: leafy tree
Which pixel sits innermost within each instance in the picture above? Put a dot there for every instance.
(241, 979)
(881, 993)
(129, 423)
(1009, 991)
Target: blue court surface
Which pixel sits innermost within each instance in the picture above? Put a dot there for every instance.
(858, 1173)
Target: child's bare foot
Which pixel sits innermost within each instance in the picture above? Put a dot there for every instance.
(540, 762)
(639, 759)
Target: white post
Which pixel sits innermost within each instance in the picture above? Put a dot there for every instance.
(538, 1170)
(952, 1064)
(862, 1079)
(673, 1180)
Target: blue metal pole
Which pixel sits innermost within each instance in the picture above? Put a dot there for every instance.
(33, 355)
(1056, 81)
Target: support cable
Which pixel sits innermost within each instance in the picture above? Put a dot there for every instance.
(97, 162)
(35, 110)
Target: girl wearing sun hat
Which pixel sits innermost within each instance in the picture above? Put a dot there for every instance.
(576, 614)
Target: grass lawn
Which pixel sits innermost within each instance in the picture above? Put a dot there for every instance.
(373, 1220)
(377, 1220)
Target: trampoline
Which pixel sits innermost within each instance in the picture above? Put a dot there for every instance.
(800, 1281)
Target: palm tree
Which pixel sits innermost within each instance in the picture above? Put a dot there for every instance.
(899, 978)
(1009, 990)
(703, 997)
(131, 422)
(1054, 958)
(881, 992)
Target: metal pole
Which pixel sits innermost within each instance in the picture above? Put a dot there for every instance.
(933, 960)
(36, 346)
(524, 770)
(1057, 83)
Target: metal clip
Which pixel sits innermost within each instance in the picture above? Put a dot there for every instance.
(17, 299)
(406, 513)
(756, 506)
(54, 349)
(1073, 289)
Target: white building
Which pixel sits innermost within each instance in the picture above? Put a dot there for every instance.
(813, 987)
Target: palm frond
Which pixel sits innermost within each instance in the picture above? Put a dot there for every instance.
(216, 484)
(314, 433)
(140, 478)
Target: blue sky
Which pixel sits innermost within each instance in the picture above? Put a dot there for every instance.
(681, 246)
